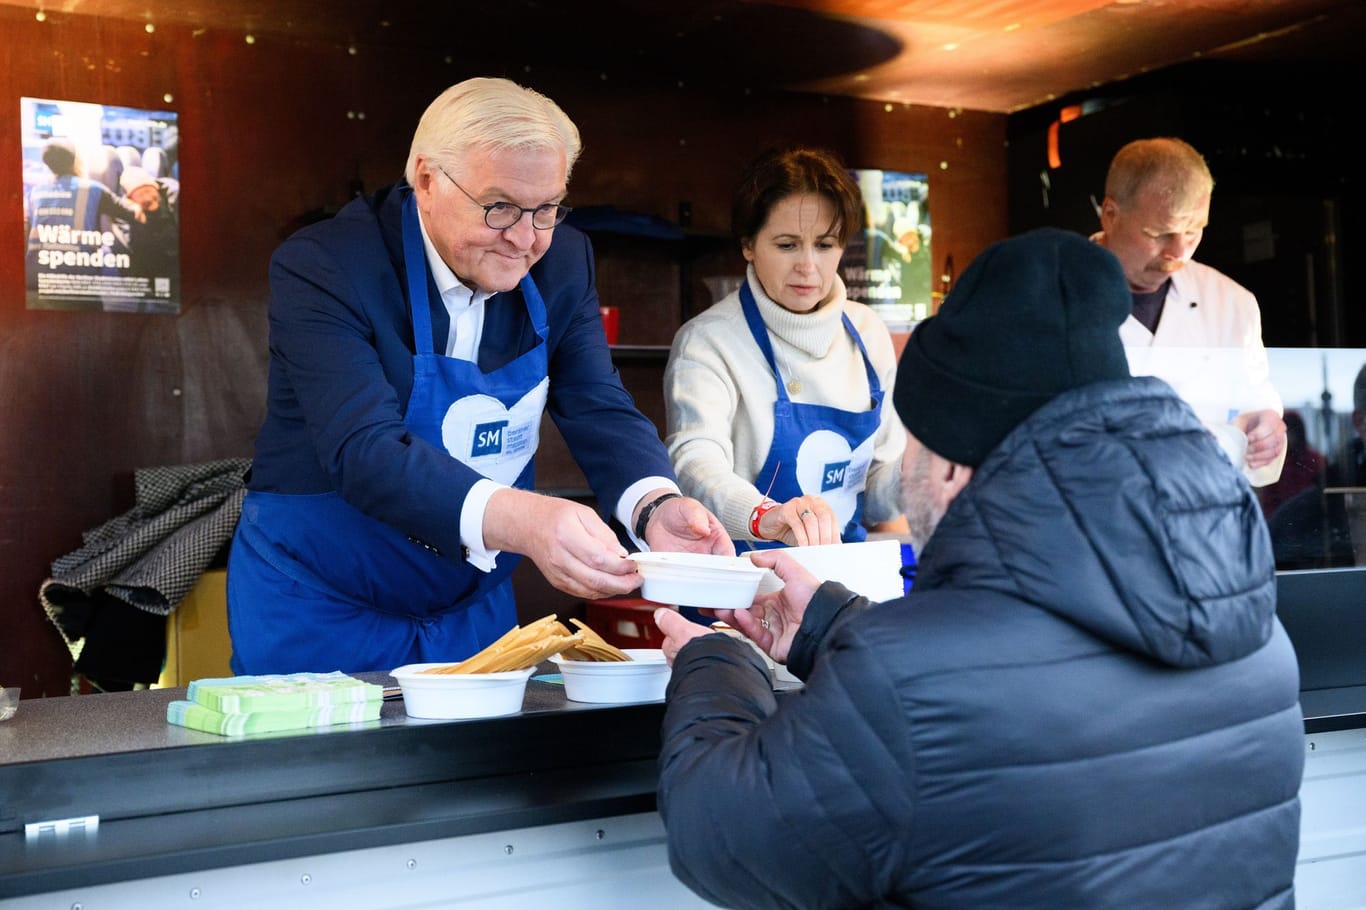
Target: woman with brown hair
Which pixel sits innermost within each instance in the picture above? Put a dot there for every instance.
(774, 395)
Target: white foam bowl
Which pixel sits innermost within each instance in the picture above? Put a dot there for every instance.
(457, 696)
(699, 579)
(614, 682)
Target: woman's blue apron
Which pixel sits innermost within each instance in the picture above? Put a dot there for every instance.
(319, 585)
(817, 450)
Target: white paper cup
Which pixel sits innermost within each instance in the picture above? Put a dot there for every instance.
(1232, 441)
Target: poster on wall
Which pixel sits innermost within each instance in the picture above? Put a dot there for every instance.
(101, 207)
(887, 265)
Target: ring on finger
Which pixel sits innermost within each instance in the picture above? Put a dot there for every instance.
(805, 512)
(764, 623)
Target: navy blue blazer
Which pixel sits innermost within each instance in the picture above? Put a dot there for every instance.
(341, 349)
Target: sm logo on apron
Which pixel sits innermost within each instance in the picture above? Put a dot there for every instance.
(315, 584)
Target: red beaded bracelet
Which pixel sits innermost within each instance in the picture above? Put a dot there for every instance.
(759, 512)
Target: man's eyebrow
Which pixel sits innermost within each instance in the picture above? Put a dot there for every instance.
(498, 194)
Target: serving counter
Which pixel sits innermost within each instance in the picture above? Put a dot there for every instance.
(105, 804)
(98, 790)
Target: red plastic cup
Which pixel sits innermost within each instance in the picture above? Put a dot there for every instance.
(611, 322)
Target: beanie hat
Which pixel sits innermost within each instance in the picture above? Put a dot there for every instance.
(134, 177)
(1031, 317)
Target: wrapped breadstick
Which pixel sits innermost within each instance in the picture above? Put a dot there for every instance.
(593, 646)
(519, 648)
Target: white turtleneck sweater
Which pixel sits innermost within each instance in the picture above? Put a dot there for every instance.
(719, 394)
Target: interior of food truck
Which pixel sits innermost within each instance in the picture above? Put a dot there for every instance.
(996, 118)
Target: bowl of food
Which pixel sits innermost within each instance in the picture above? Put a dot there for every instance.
(430, 693)
(642, 677)
(699, 579)
(490, 683)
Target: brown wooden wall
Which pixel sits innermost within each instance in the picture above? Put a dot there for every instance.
(272, 134)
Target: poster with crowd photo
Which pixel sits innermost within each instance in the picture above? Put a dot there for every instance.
(887, 265)
(101, 207)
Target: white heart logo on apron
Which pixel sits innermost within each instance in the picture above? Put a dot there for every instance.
(496, 441)
(828, 468)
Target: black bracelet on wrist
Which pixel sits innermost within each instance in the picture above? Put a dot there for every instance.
(649, 510)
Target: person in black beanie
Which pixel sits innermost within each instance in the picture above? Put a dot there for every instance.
(1054, 715)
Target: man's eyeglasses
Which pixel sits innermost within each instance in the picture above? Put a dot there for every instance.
(502, 215)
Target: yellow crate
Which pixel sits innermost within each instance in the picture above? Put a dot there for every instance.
(197, 643)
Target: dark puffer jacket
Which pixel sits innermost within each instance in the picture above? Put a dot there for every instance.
(1087, 701)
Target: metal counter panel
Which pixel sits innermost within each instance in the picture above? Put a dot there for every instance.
(169, 799)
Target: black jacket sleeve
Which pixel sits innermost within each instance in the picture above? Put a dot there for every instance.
(832, 604)
(784, 808)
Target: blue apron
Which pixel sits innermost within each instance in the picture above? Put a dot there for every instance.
(318, 585)
(817, 450)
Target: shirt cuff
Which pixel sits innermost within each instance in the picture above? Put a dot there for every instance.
(626, 505)
(472, 524)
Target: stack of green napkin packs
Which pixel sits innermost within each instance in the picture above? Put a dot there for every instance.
(239, 705)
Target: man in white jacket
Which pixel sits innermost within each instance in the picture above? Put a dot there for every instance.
(1191, 325)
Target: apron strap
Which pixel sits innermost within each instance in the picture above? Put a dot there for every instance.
(415, 264)
(760, 333)
(874, 384)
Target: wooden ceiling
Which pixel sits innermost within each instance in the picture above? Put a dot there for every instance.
(989, 55)
(1005, 55)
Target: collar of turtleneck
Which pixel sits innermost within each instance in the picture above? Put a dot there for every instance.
(812, 333)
